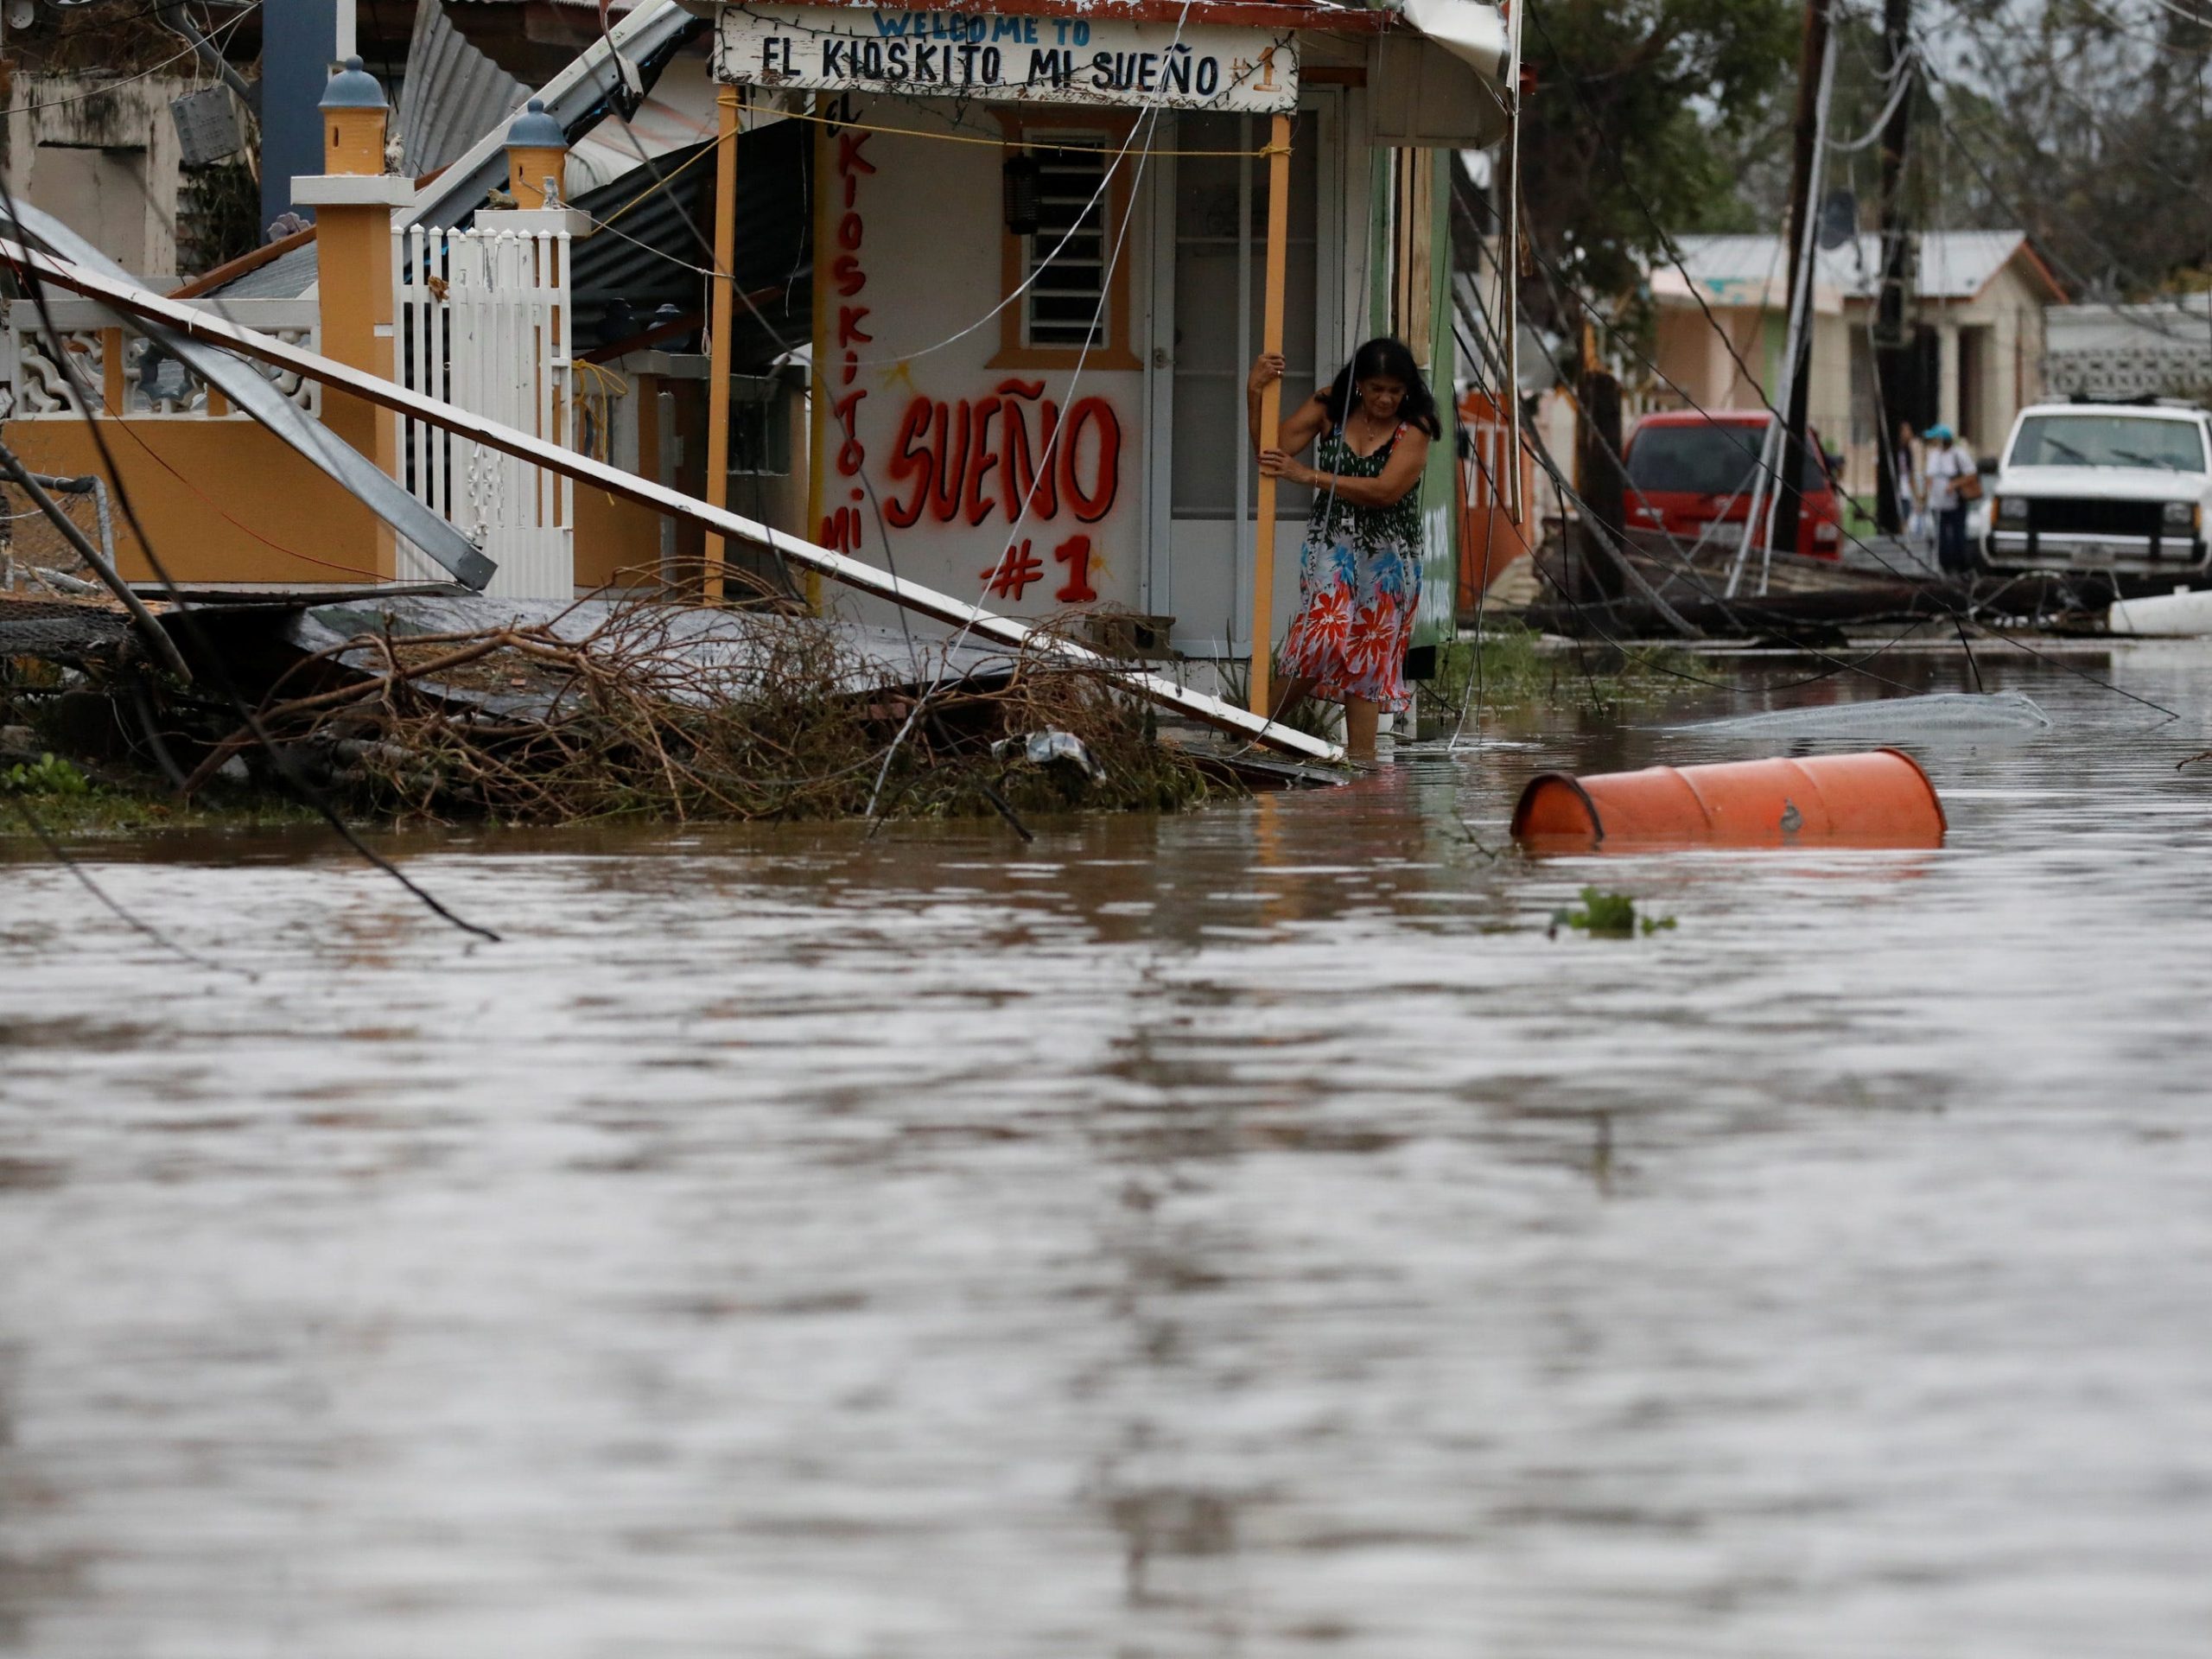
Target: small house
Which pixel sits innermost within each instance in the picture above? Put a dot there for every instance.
(999, 270)
(1976, 354)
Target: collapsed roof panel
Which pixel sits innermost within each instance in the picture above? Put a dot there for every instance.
(660, 238)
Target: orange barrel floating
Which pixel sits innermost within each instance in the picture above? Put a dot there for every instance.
(1879, 799)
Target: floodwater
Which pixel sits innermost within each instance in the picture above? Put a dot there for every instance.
(1242, 1234)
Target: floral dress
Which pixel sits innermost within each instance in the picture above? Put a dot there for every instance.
(1359, 586)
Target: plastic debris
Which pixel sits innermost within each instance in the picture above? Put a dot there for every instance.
(1042, 748)
(2182, 614)
(1942, 714)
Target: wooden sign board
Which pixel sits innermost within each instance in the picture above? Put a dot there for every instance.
(1017, 59)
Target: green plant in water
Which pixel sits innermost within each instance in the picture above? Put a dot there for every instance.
(1512, 668)
(1608, 916)
(48, 775)
(1308, 715)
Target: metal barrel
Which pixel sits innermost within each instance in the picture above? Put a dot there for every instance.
(1878, 798)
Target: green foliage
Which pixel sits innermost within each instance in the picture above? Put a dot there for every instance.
(61, 800)
(1512, 669)
(1308, 714)
(1609, 916)
(219, 219)
(1640, 98)
(48, 776)
(2085, 125)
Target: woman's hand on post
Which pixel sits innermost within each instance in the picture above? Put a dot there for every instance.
(1274, 463)
(1266, 368)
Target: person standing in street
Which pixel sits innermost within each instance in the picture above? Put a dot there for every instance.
(1359, 575)
(1944, 474)
(1907, 477)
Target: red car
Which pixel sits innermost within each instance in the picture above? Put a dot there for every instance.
(1693, 476)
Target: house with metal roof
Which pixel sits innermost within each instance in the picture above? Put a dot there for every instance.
(1977, 346)
(968, 295)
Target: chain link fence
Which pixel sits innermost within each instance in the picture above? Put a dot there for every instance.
(36, 560)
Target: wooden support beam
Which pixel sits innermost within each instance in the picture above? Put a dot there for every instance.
(718, 364)
(1263, 541)
(112, 387)
(130, 300)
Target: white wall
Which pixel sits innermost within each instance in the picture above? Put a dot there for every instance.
(929, 225)
(102, 155)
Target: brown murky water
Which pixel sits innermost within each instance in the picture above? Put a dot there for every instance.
(1242, 1234)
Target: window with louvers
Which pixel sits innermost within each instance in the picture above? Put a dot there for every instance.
(1064, 306)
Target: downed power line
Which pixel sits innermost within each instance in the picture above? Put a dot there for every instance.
(129, 298)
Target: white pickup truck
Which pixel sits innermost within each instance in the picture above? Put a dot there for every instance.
(2119, 490)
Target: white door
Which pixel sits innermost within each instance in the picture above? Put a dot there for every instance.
(1209, 241)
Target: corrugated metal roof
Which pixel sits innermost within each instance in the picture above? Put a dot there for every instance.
(287, 277)
(452, 94)
(620, 280)
(1254, 13)
(678, 112)
(1954, 264)
(656, 38)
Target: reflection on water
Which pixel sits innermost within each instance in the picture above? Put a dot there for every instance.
(1239, 1234)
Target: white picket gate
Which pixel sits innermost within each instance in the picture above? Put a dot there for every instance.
(481, 319)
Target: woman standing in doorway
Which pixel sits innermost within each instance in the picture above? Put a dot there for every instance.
(1359, 576)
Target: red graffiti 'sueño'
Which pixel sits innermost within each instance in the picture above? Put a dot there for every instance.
(962, 462)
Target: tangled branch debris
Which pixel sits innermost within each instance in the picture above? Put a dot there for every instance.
(637, 711)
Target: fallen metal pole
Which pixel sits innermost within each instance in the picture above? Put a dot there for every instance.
(599, 475)
(157, 638)
(253, 393)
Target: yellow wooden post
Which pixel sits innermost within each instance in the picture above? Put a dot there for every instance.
(724, 317)
(111, 376)
(1263, 546)
(818, 447)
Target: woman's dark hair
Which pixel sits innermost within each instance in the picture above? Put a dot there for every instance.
(1386, 357)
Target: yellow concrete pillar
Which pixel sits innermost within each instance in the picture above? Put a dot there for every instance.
(355, 120)
(537, 153)
(353, 199)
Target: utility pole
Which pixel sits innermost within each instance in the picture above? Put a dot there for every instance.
(1891, 356)
(1597, 575)
(1788, 504)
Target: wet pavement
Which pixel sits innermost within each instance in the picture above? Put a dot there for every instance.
(1245, 1233)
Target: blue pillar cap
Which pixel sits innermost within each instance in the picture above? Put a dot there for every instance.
(534, 129)
(353, 88)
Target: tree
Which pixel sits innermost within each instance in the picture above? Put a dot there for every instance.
(2084, 122)
(1638, 112)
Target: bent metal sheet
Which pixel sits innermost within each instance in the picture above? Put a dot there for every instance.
(1008, 59)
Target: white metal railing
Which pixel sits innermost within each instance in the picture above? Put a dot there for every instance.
(103, 360)
(481, 320)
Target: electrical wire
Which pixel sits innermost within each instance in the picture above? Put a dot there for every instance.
(187, 613)
(107, 89)
(1667, 241)
(1149, 121)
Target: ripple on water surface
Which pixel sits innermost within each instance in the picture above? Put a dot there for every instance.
(1242, 1233)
